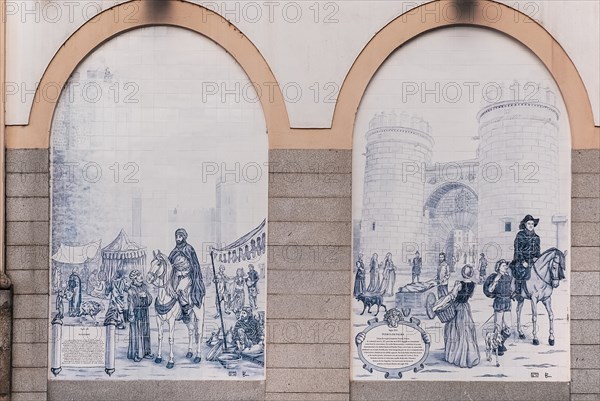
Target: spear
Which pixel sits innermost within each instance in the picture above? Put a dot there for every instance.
(212, 259)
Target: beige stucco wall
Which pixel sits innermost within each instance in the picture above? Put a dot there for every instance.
(311, 212)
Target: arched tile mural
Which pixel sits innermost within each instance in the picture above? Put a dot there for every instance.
(461, 210)
(159, 201)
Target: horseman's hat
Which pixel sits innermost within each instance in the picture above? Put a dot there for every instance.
(526, 219)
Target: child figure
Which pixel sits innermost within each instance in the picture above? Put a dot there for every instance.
(500, 286)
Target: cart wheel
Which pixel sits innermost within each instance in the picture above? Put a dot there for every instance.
(406, 311)
(429, 302)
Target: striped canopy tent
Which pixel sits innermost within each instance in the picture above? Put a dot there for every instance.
(248, 247)
(122, 254)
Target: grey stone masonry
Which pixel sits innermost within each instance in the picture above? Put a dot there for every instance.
(6, 344)
(308, 294)
(585, 276)
(27, 263)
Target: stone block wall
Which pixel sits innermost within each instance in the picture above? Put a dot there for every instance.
(308, 299)
(308, 294)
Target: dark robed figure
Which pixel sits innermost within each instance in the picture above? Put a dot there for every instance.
(187, 277)
(74, 286)
(139, 299)
(359, 279)
(527, 251)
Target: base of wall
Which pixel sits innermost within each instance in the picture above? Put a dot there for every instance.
(5, 343)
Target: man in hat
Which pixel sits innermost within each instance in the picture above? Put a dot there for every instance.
(187, 277)
(527, 251)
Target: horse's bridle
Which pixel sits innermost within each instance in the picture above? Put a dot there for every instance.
(551, 269)
(156, 276)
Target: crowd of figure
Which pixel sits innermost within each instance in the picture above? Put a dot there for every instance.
(504, 285)
(231, 290)
(129, 299)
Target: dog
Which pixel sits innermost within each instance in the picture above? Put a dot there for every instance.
(369, 300)
(494, 342)
(91, 309)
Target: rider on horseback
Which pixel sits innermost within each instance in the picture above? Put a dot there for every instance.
(527, 251)
(187, 277)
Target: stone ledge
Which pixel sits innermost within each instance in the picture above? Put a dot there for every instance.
(307, 397)
(307, 380)
(443, 391)
(113, 390)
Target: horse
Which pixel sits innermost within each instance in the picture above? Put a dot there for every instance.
(548, 270)
(168, 310)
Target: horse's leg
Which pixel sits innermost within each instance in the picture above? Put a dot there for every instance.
(519, 310)
(197, 336)
(160, 338)
(548, 304)
(171, 362)
(190, 327)
(534, 320)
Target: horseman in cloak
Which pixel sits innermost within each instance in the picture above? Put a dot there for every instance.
(527, 251)
(187, 277)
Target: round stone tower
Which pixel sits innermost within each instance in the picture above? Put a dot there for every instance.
(398, 149)
(518, 165)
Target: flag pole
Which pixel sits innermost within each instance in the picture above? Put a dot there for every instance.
(212, 259)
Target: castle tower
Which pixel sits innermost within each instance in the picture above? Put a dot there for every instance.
(398, 148)
(519, 170)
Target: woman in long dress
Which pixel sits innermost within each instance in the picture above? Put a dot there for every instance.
(237, 299)
(373, 275)
(359, 279)
(389, 276)
(460, 334)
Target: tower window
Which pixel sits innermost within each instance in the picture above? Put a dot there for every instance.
(373, 226)
(507, 226)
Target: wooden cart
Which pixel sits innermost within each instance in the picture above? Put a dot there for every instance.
(406, 301)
